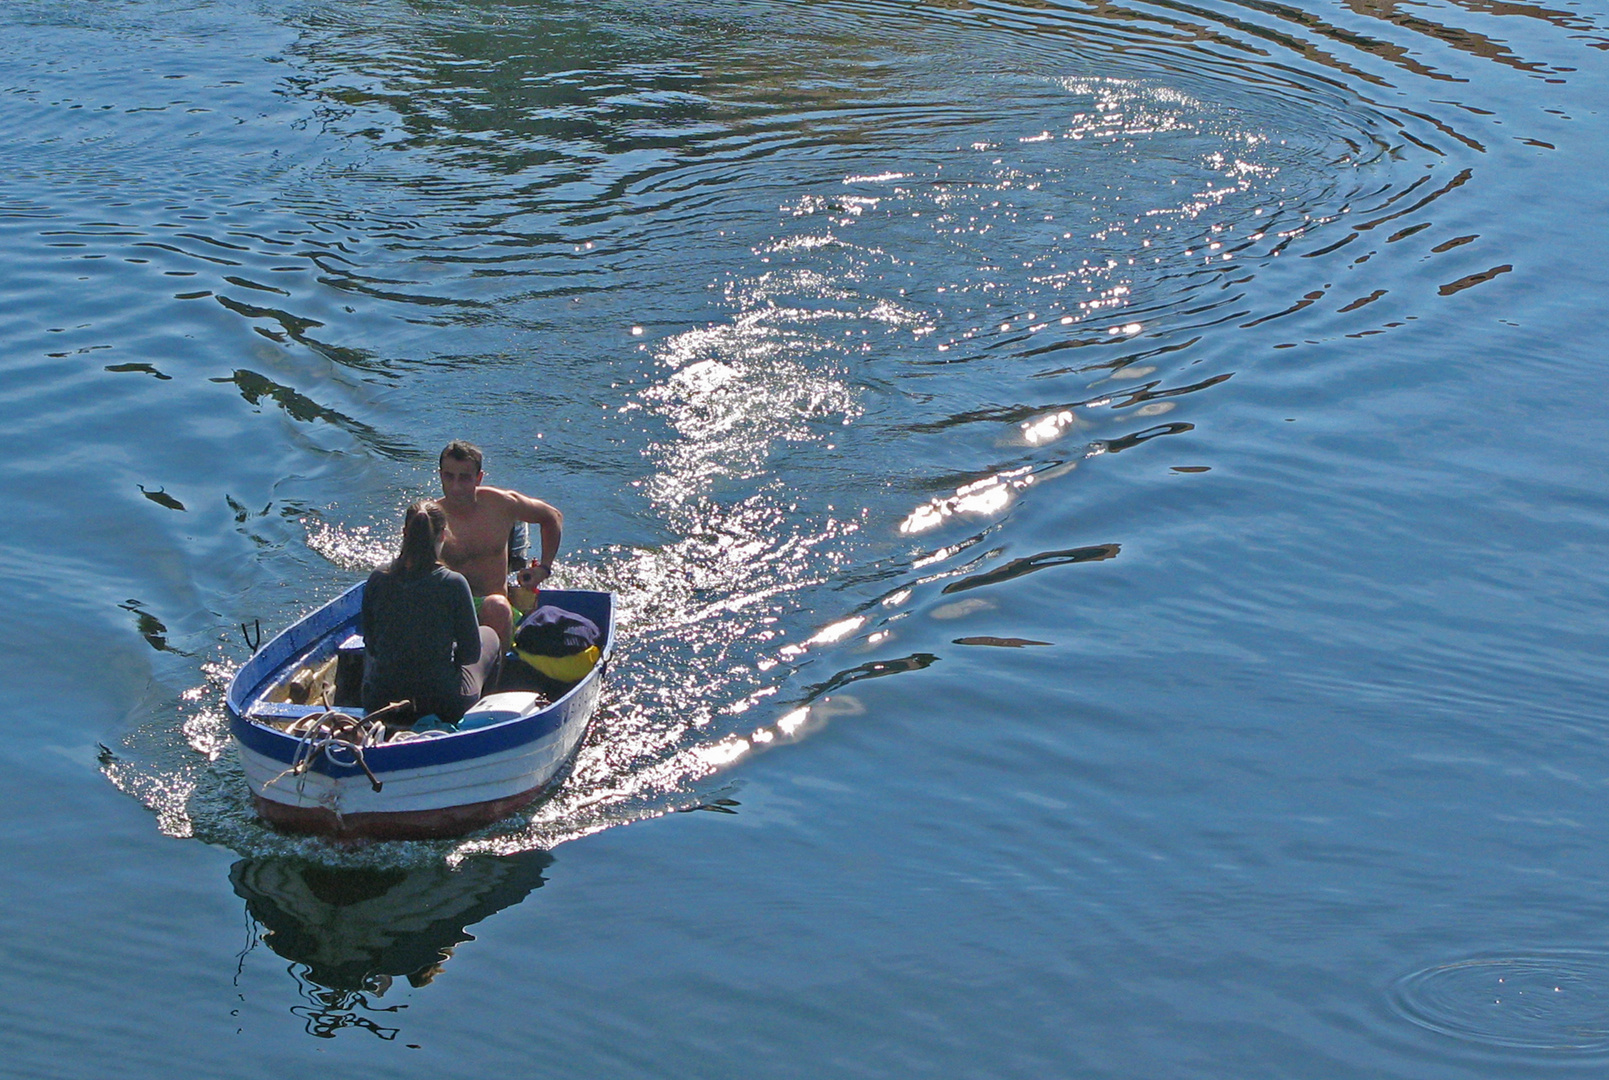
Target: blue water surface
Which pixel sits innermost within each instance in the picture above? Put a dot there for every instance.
(1107, 504)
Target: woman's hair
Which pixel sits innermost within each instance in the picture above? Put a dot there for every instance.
(420, 527)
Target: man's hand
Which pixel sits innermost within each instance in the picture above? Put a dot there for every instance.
(533, 575)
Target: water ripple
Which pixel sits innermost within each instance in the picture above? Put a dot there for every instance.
(1544, 1000)
(903, 269)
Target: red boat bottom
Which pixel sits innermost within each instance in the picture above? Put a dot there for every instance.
(403, 825)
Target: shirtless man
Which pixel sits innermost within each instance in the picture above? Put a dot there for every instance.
(478, 522)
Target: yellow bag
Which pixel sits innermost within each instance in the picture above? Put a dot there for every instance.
(568, 669)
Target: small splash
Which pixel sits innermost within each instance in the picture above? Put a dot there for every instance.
(354, 548)
(1539, 1001)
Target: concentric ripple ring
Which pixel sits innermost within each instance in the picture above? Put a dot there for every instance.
(1555, 1000)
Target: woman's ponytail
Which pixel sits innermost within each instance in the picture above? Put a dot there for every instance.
(421, 527)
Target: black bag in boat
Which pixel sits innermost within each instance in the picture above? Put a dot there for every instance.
(553, 650)
(552, 631)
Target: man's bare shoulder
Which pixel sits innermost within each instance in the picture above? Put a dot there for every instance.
(497, 495)
(517, 504)
(496, 504)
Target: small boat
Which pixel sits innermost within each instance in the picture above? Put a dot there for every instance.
(512, 747)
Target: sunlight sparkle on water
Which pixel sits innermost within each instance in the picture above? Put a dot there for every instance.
(792, 721)
(1047, 428)
(990, 495)
(349, 547)
(724, 752)
(837, 631)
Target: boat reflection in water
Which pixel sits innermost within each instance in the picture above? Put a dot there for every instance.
(353, 932)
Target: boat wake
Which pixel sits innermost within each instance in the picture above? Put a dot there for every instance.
(980, 298)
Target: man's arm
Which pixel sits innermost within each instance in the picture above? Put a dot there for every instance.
(547, 519)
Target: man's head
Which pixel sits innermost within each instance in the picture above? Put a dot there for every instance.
(459, 450)
(460, 465)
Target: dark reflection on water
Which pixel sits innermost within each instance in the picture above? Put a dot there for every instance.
(999, 642)
(325, 1012)
(1124, 442)
(1471, 280)
(353, 931)
(1018, 567)
(875, 669)
(151, 628)
(161, 497)
(255, 387)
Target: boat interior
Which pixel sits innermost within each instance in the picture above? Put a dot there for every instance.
(327, 677)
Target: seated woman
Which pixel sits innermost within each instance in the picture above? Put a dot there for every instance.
(421, 638)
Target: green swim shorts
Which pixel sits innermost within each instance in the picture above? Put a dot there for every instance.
(518, 614)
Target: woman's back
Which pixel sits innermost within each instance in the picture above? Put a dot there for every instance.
(418, 629)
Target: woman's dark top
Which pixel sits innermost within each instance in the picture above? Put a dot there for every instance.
(418, 631)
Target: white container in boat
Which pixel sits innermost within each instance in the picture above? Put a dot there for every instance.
(495, 708)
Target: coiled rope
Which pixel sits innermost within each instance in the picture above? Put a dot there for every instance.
(337, 736)
(340, 738)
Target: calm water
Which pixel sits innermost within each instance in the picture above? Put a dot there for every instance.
(1109, 504)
